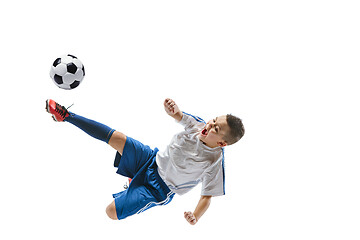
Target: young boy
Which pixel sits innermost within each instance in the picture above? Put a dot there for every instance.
(193, 156)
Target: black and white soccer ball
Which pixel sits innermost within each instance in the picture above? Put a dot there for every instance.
(67, 72)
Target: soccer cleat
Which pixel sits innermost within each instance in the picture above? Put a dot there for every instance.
(58, 112)
(127, 184)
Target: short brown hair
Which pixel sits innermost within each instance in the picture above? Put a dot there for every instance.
(237, 129)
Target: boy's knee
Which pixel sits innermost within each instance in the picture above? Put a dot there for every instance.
(111, 211)
(117, 141)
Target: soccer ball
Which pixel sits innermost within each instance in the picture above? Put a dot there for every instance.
(67, 72)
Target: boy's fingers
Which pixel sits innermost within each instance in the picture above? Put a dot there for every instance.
(189, 217)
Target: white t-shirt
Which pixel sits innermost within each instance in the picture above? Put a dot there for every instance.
(187, 161)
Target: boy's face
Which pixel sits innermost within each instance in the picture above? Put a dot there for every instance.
(214, 131)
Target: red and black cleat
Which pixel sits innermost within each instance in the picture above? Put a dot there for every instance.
(58, 112)
(127, 184)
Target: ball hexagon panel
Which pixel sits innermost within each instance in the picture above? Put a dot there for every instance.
(60, 69)
(68, 78)
(66, 59)
(79, 75)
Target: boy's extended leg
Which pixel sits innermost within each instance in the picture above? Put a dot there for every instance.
(95, 129)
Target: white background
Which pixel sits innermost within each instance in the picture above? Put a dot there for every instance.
(289, 69)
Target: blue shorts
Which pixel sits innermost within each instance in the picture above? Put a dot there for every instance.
(146, 189)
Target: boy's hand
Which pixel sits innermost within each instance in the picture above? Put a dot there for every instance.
(190, 217)
(172, 109)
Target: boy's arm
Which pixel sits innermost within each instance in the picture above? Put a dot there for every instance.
(172, 109)
(200, 209)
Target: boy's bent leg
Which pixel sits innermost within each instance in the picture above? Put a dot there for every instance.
(111, 211)
(117, 141)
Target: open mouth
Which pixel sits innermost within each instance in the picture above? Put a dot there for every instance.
(204, 132)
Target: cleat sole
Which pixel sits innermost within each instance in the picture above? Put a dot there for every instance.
(53, 117)
(47, 106)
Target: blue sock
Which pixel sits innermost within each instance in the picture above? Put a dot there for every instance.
(95, 129)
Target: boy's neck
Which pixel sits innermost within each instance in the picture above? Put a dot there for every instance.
(208, 144)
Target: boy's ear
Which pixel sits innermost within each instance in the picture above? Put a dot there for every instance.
(222, 143)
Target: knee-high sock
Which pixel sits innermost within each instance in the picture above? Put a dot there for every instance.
(91, 127)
